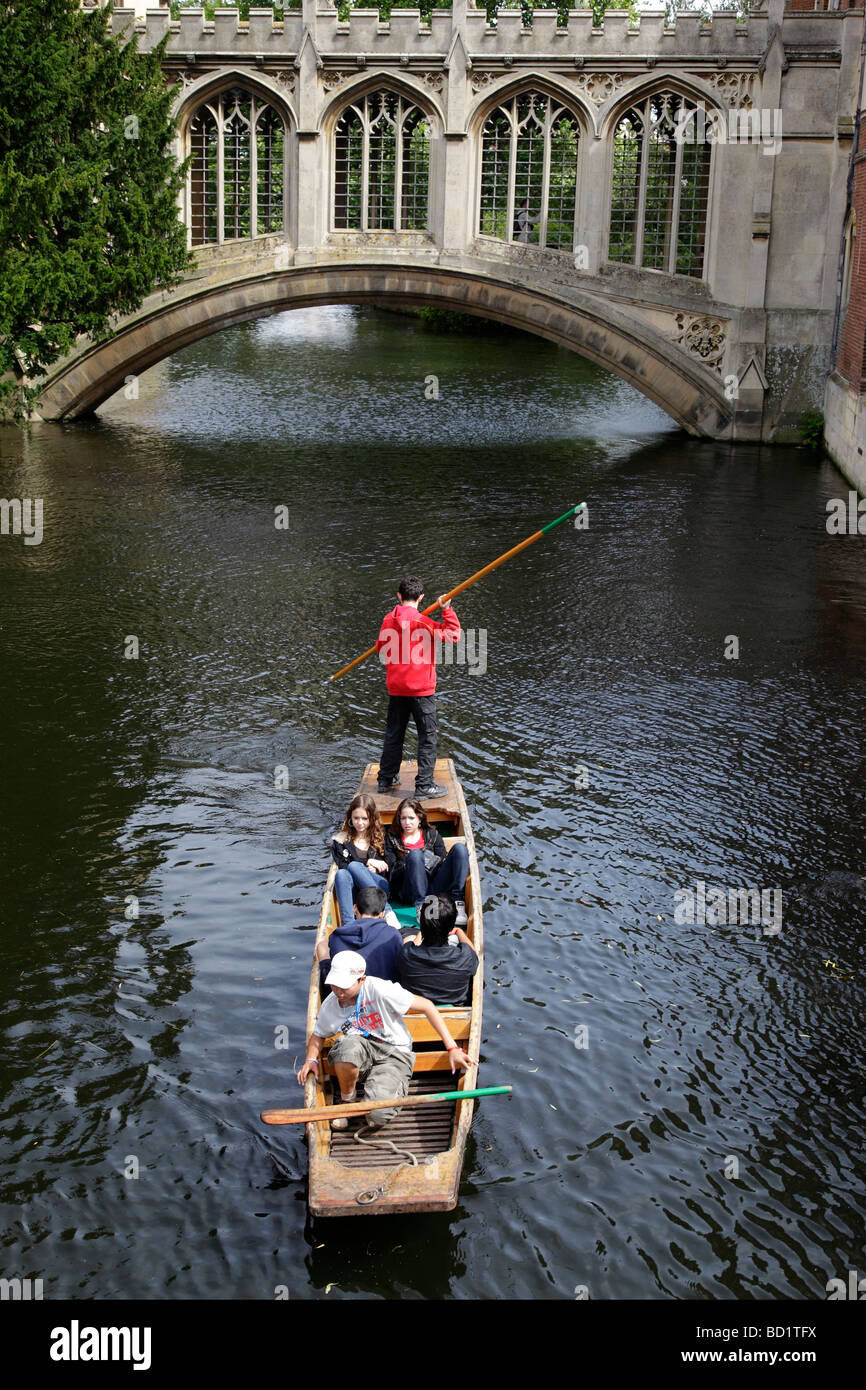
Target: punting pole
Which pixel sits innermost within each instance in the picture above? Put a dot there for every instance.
(320, 1114)
(515, 550)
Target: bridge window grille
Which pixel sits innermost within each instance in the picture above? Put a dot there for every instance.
(270, 169)
(381, 166)
(660, 186)
(529, 150)
(204, 177)
(237, 172)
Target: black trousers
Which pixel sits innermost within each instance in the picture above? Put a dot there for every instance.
(423, 710)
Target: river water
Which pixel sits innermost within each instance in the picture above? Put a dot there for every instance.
(686, 1121)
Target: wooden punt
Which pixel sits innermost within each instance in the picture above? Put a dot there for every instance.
(353, 1177)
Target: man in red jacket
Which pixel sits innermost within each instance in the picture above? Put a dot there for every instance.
(407, 647)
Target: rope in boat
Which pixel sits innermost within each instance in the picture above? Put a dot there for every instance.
(358, 1138)
(373, 1194)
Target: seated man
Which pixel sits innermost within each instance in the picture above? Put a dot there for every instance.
(369, 934)
(375, 1043)
(431, 964)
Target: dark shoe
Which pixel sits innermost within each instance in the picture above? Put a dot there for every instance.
(384, 787)
(428, 792)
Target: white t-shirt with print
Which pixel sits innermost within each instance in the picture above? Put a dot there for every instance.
(381, 1014)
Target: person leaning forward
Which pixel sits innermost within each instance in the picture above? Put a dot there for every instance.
(407, 648)
(368, 935)
(374, 1044)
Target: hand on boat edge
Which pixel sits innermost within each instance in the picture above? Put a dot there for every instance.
(458, 1058)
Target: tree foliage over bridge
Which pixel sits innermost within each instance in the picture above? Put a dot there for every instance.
(88, 188)
(598, 7)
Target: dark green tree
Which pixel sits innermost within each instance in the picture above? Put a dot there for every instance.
(88, 190)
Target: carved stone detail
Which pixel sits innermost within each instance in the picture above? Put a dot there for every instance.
(703, 337)
(735, 89)
(597, 87)
(185, 79)
(334, 79)
(286, 80)
(480, 80)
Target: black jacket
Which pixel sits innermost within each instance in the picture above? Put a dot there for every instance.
(344, 853)
(395, 854)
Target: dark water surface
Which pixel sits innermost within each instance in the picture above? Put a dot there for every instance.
(711, 1048)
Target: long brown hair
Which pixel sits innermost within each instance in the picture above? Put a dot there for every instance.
(375, 829)
(397, 828)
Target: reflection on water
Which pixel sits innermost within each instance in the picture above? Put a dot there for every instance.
(164, 889)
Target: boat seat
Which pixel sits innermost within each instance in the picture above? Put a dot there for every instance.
(422, 1029)
(434, 1061)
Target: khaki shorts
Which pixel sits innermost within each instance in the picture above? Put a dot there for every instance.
(384, 1070)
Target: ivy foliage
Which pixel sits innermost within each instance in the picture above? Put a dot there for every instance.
(88, 188)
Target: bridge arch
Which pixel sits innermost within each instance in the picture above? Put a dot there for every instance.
(596, 330)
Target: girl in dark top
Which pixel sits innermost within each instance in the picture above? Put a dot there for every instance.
(432, 963)
(358, 852)
(419, 862)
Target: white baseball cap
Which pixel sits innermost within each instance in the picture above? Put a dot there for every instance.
(347, 968)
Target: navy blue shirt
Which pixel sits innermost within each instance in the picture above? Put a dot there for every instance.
(374, 939)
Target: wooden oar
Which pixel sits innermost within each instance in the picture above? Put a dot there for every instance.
(321, 1114)
(515, 550)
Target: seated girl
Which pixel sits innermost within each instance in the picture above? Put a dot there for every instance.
(357, 849)
(418, 862)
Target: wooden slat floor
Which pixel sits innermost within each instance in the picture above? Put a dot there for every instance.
(423, 1132)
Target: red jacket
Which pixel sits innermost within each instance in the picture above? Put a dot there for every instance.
(407, 646)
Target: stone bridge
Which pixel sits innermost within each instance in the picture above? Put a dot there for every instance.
(669, 201)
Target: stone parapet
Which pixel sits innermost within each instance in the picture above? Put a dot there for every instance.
(616, 37)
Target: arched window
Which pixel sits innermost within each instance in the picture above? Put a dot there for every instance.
(237, 173)
(529, 172)
(661, 177)
(381, 165)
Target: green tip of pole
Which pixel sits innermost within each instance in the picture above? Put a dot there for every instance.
(571, 511)
(479, 1091)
